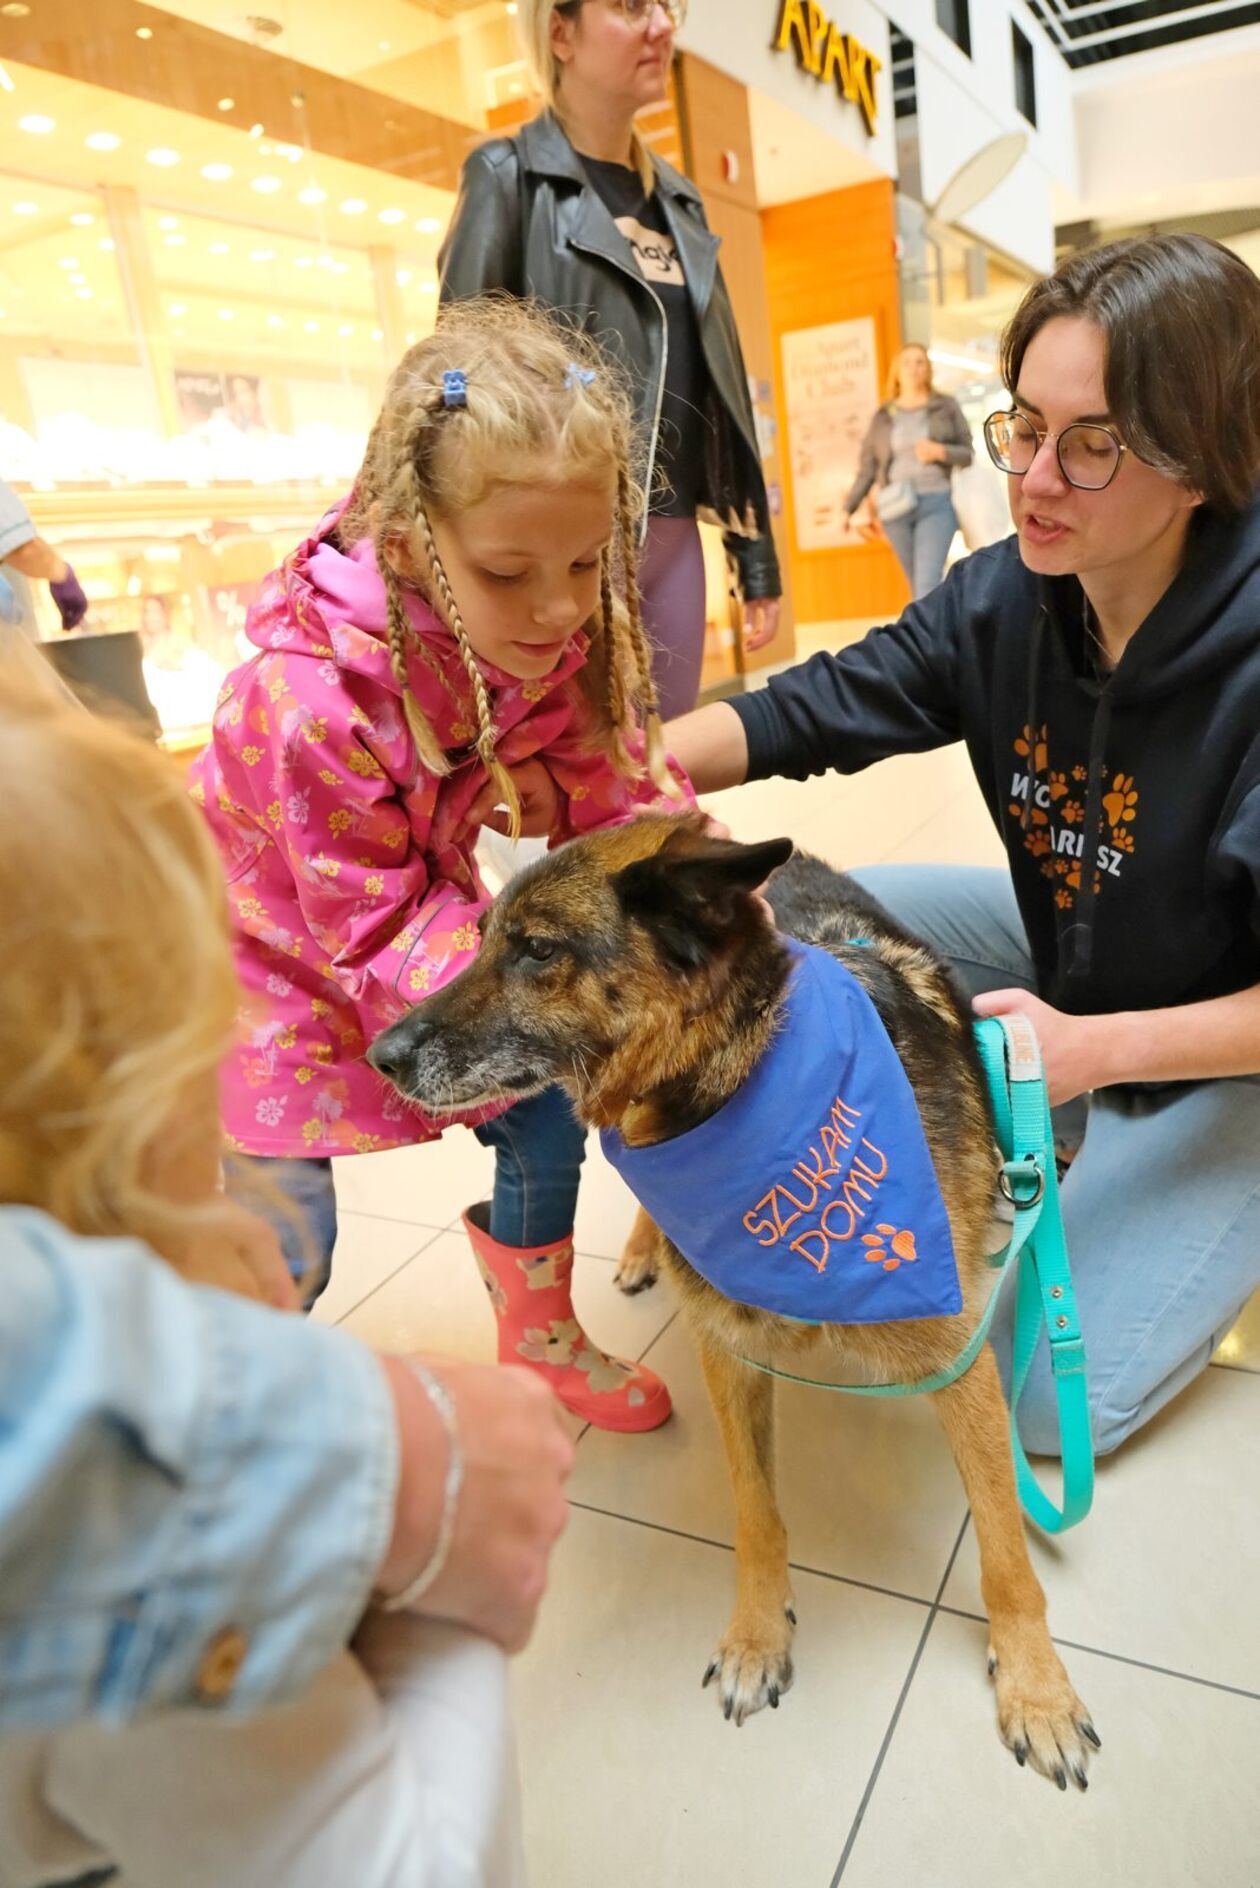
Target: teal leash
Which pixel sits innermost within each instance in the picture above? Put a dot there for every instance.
(1028, 1179)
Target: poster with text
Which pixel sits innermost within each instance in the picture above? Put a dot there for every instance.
(830, 378)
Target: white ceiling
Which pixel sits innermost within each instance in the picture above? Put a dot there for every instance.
(793, 158)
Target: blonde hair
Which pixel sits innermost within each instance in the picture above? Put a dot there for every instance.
(542, 402)
(533, 25)
(119, 1000)
(892, 390)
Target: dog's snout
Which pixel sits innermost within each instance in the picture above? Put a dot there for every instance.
(390, 1054)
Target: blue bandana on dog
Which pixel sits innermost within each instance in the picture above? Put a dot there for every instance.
(811, 1193)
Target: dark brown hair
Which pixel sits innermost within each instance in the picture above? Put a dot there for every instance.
(1180, 320)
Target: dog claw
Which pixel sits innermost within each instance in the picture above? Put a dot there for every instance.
(1060, 1777)
(710, 1674)
(790, 1612)
(727, 1709)
(1088, 1731)
(1079, 1777)
(1021, 1754)
(773, 1696)
(992, 1664)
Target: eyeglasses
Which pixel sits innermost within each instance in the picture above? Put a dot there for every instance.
(1089, 456)
(639, 12)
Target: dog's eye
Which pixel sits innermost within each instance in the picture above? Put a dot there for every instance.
(539, 949)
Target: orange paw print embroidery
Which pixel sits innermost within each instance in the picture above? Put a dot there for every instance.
(1121, 802)
(901, 1243)
(1033, 749)
(1058, 787)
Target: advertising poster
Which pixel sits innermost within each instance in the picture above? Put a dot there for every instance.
(831, 389)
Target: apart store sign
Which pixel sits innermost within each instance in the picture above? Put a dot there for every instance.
(829, 55)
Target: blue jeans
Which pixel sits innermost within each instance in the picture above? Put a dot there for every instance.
(538, 1145)
(1161, 1207)
(922, 539)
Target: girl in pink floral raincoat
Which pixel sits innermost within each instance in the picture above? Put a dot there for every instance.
(464, 624)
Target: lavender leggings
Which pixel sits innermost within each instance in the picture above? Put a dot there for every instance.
(671, 582)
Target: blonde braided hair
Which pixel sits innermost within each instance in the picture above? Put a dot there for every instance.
(542, 403)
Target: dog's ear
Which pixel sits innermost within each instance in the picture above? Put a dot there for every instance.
(689, 892)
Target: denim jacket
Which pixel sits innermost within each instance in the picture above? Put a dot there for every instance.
(177, 1467)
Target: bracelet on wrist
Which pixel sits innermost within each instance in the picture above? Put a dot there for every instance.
(441, 1399)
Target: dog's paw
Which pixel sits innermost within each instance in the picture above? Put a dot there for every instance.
(753, 1668)
(638, 1267)
(1040, 1718)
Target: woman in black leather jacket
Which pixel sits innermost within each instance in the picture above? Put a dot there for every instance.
(576, 212)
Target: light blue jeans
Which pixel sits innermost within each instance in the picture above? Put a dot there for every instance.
(922, 539)
(538, 1147)
(1161, 1205)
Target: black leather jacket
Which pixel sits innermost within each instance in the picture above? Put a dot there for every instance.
(528, 221)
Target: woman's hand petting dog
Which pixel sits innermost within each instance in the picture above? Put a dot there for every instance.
(1069, 1044)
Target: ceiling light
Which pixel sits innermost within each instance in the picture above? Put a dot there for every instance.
(163, 157)
(428, 288)
(6, 83)
(262, 255)
(511, 7)
(275, 321)
(168, 222)
(176, 241)
(77, 276)
(378, 334)
(265, 186)
(429, 225)
(220, 249)
(144, 32)
(37, 123)
(312, 327)
(255, 131)
(83, 219)
(312, 194)
(227, 104)
(339, 268)
(107, 244)
(227, 314)
(103, 141)
(177, 308)
(384, 46)
(353, 206)
(83, 294)
(402, 277)
(393, 216)
(216, 173)
(68, 262)
(304, 262)
(346, 328)
(411, 337)
(26, 209)
(15, 9)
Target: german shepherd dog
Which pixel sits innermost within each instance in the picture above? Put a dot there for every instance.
(638, 968)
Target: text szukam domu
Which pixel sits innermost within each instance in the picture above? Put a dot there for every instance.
(840, 1172)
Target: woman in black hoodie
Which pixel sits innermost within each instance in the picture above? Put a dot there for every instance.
(1103, 667)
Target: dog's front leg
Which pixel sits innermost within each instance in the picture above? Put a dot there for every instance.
(753, 1662)
(1039, 1715)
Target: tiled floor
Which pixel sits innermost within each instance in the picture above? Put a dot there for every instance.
(883, 1768)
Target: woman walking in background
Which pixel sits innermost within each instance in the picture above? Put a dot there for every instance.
(912, 445)
(575, 212)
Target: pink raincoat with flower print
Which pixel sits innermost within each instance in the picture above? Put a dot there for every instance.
(353, 887)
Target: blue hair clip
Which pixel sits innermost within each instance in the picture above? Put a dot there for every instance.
(454, 387)
(576, 376)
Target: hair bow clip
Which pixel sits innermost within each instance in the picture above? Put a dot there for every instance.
(576, 376)
(454, 387)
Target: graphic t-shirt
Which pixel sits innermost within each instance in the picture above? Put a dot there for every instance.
(641, 220)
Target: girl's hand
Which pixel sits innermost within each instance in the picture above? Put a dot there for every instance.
(1069, 1044)
(540, 803)
(869, 528)
(929, 452)
(761, 623)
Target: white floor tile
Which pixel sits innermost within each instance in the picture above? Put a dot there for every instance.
(630, 1774)
(368, 1251)
(428, 1185)
(438, 1303)
(1161, 1569)
(867, 1489)
(1171, 1802)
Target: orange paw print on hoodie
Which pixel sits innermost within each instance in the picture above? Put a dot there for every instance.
(878, 1252)
(1121, 802)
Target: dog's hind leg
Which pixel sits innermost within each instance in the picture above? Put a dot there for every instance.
(1040, 1717)
(638, 1265)
(753, 1662)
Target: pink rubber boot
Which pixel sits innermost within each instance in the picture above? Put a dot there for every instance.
(529, 1289)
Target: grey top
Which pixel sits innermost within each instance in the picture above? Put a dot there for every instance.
(16, 529)
(945, 424)
(909, 425)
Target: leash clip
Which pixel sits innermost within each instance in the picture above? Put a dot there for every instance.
(1016, 1173)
